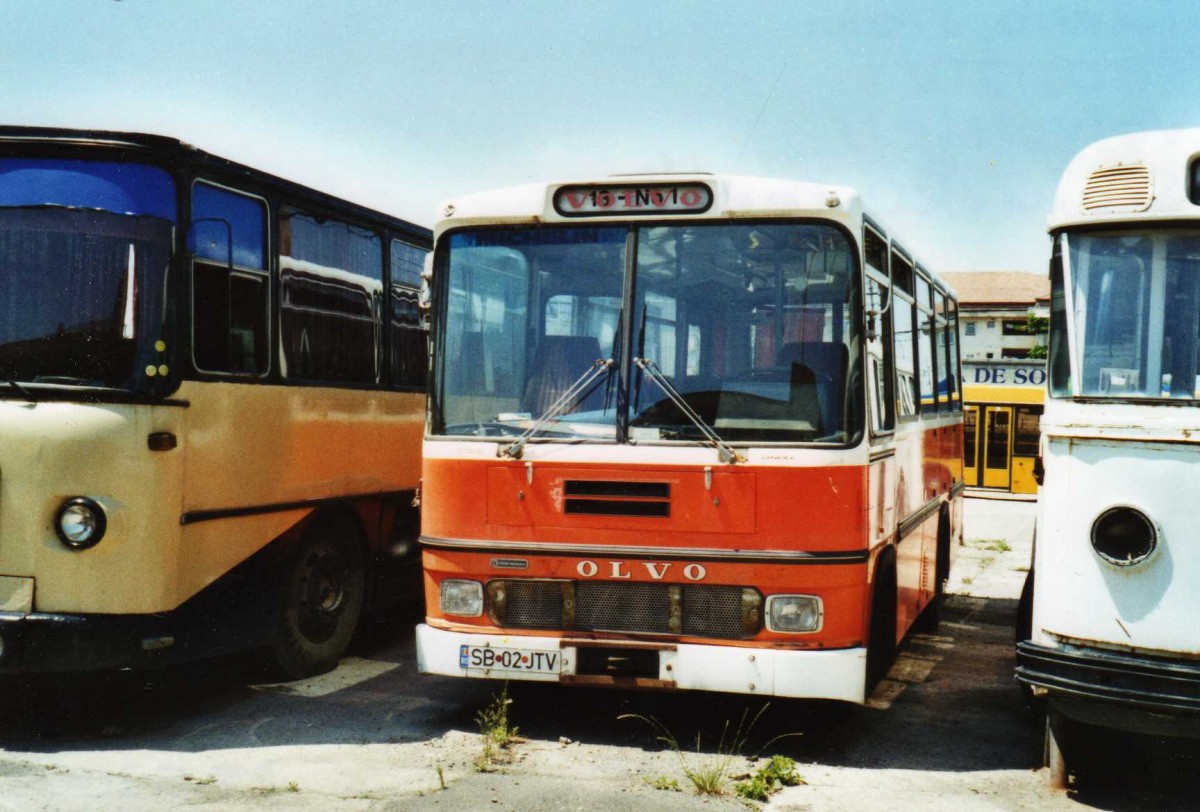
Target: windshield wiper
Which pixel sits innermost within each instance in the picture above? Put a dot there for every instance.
(725, 452)
(568, 398)
(21, 390)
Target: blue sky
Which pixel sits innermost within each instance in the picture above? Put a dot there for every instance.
(954, 119)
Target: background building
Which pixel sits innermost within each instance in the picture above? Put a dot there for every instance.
(1002, 314)
(1002, 334)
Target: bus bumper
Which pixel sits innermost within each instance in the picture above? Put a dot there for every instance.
(838, 674)
(46, 643)
(1113, 689)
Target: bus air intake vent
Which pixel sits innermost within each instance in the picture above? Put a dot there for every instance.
(597, 497)
(1118, 189)
(696, 610)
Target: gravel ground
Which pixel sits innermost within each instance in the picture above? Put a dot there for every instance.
(947, 731)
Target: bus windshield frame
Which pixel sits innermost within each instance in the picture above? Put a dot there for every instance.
(755, 323)
(1124, 304)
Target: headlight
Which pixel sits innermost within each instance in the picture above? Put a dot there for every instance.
(463, 598)
(80, 523)
(1124, 536)
(794, 613)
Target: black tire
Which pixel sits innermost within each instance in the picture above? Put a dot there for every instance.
(321, 598)
(881, 646)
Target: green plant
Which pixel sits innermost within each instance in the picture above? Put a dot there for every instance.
(773, 776)
(707, 775)
(998, 546)
(293, 786)
(441, 777)
(498, 734)
(665, 783)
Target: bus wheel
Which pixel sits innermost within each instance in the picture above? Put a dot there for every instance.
(881, 646)
(322, 597)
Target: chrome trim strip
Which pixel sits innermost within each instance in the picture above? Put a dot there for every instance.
(620, 551)
(913, 520)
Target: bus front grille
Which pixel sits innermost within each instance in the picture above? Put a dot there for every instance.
(698, 610)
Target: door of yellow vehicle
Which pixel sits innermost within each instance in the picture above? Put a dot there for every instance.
(971, 446)
(997, 446)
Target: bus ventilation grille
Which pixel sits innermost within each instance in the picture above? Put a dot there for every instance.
(688, 609)
(596, 497)
(1118, 188)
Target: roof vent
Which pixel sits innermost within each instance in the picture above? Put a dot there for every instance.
(1118, 189)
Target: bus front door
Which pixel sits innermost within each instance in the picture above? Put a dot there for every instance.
(997, 446)
(971, 446)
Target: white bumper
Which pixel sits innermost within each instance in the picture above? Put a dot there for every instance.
(839, 674)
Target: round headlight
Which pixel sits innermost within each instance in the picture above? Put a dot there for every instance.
(80, 523)
(1124, 536)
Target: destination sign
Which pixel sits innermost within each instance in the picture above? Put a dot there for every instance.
(598, 201)
(1004, 374)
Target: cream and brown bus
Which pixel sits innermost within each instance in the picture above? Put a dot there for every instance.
(211, 405)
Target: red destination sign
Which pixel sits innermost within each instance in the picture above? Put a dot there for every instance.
(612, 201)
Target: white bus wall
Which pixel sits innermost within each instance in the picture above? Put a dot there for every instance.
(1153, 606)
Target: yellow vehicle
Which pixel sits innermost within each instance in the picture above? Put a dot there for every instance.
(211, 407)
(1003, 410)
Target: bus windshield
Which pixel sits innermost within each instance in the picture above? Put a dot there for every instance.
(84, 247)
(750, 323)
(1136, 295)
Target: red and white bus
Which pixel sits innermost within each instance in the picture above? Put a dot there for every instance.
(685, 432)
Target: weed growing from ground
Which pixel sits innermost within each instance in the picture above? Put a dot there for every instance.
(498, 734)
(665, 783)
(773, 776)
(998, 546)
(708, 775)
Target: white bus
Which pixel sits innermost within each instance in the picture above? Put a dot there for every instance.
(1114, 637)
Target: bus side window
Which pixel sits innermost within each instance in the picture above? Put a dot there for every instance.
(331, 286)
(928, 346)
(880, 349)
(407, 356)
(230, 283)
(903, 324)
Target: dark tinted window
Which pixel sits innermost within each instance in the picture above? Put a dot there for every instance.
(408, 358)
(331, 284)
(230, 325)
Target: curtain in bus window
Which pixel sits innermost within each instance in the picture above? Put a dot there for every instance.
(229, 304)
(408, 356)
(906, 381)
(331, 284)
(77, 289)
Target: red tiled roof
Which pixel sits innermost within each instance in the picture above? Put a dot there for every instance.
(998, 287)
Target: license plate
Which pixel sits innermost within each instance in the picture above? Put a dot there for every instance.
(532, 661)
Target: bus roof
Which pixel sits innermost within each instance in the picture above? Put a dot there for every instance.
(18, 140)
(732, 196)
(1140, 176)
